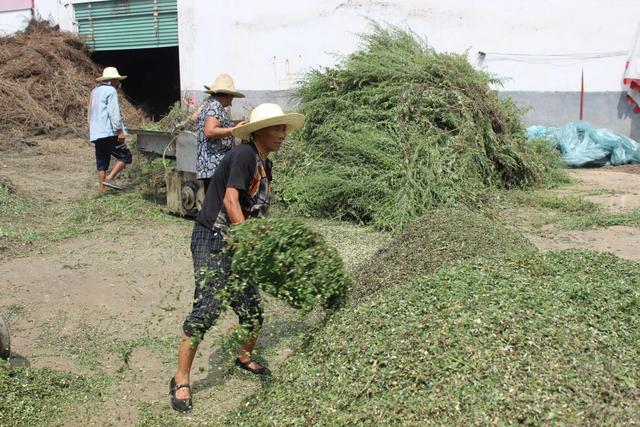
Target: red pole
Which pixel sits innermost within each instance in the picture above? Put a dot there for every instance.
(582, 95)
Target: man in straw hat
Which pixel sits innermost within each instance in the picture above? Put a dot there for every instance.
(240, 188)
(215, 126)
(106, 128)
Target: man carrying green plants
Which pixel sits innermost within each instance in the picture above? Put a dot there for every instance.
(239, 189)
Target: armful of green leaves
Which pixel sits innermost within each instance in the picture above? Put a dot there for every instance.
(289, 261)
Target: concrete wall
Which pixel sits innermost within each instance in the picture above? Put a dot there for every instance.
(601, 109)
(267, 48)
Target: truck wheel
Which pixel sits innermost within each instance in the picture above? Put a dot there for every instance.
(5, 341)
(189, 197)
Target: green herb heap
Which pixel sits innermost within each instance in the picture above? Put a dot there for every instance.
(397, 129)
(288, 261)
(545, 339)
(442, 237)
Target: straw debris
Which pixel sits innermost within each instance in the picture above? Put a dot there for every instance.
(46, 76)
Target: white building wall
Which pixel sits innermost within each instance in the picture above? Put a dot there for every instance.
(57, 11)
(267, 45)
(13, 20)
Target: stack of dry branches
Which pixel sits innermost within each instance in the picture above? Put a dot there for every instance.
(46, 76)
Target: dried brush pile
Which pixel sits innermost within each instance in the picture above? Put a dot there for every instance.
(397, 129)
(46, 76)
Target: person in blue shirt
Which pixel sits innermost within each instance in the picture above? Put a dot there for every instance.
(106, 128)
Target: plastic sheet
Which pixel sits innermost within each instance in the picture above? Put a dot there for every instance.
(582, 145)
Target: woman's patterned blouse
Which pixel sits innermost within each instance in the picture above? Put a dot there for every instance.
(211, 151)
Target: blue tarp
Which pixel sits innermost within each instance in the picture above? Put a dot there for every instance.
(583, 145)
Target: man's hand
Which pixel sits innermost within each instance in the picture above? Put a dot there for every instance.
(121, 136)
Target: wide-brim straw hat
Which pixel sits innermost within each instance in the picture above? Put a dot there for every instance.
(110, 73)
(265, 115)
(224, 84)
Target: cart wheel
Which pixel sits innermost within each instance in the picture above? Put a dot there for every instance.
(200, 197)
(5, 341)
(189, 197)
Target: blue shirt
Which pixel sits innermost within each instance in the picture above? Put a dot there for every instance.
(104, 115)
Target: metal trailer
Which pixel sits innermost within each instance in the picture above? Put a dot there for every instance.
(185, 193)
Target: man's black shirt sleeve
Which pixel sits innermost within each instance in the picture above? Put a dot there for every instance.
(242, 168)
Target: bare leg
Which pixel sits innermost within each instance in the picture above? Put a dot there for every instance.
(101, 176)
(186, 353)
(119, 166)
(246, 350)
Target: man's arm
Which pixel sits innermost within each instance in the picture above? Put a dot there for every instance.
(231, 204)
(113, 108)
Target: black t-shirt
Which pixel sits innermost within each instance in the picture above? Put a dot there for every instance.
(241, 168)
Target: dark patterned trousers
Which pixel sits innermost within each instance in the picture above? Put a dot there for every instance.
(211, 266)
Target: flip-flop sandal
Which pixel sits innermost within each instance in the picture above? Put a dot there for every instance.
(262, 370)
(111, 183)
(180, 405)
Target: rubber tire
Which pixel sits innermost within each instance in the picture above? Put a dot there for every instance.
(5, 340)
(189, 191)
(200, 197)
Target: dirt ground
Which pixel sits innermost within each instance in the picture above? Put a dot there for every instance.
(616, 189)
(111, 302)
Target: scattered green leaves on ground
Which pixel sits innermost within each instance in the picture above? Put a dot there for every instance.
(599, 219)
(42, 396)
(568, 211)
(10, 203)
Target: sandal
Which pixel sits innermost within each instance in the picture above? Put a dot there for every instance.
(111, 183)
(261, 370)
(180, 405)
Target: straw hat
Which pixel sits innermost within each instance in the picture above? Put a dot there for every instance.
(224, 84)
(265, 115)
(110, 73)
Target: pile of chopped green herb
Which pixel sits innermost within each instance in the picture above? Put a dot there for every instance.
(289, 261)
(397, 129)
(441, 237)
(538, 339)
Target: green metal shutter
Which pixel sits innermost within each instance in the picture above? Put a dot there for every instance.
(128, 24)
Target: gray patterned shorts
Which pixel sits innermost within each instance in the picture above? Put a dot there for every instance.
(208, 256)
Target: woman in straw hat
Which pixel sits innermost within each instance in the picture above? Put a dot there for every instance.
(240, 189)
(215, 126)
(106, 128)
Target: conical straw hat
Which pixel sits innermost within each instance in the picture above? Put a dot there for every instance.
(265, 115)
(224, 84)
